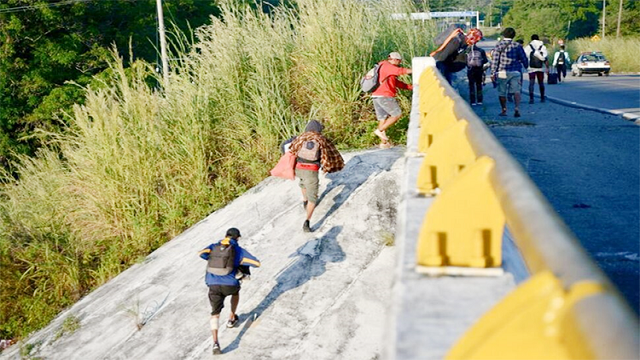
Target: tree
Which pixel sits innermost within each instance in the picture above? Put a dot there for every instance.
(44, 46)
(557, 19)
(629, 24)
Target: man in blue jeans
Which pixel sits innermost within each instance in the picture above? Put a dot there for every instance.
(508, 59)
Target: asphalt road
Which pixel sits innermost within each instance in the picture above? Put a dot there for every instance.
(587, 165)
(618, 93)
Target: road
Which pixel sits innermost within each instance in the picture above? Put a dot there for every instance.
(586, 163)
(618, 93)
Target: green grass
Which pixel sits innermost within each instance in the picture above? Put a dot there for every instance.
(621, 52)
(138, 165)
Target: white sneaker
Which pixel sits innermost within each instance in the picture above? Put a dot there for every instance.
(480, 103)
(381, 135)
(473, 104)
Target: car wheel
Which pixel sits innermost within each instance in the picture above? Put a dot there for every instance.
(573, 73)
(599, 74)
(606, 73)
(579, 73)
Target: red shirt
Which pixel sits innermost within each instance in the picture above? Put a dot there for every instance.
(389, 82)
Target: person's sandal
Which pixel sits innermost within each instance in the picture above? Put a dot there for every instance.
(386, 145)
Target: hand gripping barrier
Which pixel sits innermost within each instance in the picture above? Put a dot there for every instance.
(568, 309)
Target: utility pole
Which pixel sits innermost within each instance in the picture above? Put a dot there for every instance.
(163, 44)
(619, 19)
(604, 7)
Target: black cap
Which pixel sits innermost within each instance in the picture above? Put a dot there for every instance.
(233, 233)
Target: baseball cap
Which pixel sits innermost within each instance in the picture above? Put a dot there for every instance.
(395, 55)
(233, 233)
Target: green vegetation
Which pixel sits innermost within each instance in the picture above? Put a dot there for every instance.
(135, 165)
(69, 326)
(46, 49)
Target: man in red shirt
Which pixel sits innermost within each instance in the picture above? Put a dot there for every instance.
(384, 101)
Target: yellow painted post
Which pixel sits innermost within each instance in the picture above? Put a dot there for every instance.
(464, 225)
(435, 121)
(533, 322)
(447, 157)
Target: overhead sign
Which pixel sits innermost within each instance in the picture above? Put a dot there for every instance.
(432, 15)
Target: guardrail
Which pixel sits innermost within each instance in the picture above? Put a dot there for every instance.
(568, 309)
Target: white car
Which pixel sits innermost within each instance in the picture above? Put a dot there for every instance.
(590, 63)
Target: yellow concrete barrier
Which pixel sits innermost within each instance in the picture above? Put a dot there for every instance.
(535, 321)
(435, 121)
(447, 157)
(464, 225)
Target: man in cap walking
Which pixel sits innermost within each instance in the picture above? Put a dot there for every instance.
(225, 259)
(388, 111)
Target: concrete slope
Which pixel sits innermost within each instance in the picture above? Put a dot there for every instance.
(321, 294)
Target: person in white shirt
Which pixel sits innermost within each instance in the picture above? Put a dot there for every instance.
(538, 64)
(561, 62)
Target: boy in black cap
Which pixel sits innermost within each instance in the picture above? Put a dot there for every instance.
(224, 260)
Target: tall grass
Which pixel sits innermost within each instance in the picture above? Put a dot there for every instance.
(621, 52)
(139, 165)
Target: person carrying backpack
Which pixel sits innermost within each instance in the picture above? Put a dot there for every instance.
(561, 62)
(384, 97)
(313, 151)
(227, 265)
(476, 58)
(508, 58)
(537, 55)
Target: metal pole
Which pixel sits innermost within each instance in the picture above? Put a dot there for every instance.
(604, 7)
(619, 19)
(478, 19)
(163, 43)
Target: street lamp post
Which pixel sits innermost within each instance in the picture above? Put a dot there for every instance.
(163, 43)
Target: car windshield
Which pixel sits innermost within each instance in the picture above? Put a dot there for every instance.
(591, 57)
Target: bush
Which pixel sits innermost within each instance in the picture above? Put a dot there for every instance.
(138, 165)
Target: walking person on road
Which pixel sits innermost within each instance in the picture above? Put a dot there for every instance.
(476, 58)
(227, 265)
(561, 62)
(313, 151)
(388, 111)
(508, 59)
(537, 55)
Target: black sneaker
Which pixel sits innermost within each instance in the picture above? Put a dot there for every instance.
(216, 349)
(306, 226)
(234, 322)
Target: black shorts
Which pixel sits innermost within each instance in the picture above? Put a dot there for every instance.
(217, 293)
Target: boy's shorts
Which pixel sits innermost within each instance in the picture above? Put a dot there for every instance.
(512, 83)
(386, 106)
(309, 181)
(217, 293)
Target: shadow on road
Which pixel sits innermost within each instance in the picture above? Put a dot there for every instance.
(309, 262)
(354, 174)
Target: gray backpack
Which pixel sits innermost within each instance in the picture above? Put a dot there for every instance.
(370, 82)
(221, 260)
(310, 151)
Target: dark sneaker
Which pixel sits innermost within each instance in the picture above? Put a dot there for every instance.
(504, 113)
(530, 101)
(543, 99)
(216, 349)
(233, 322)
(306, 226)
(516, 114)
